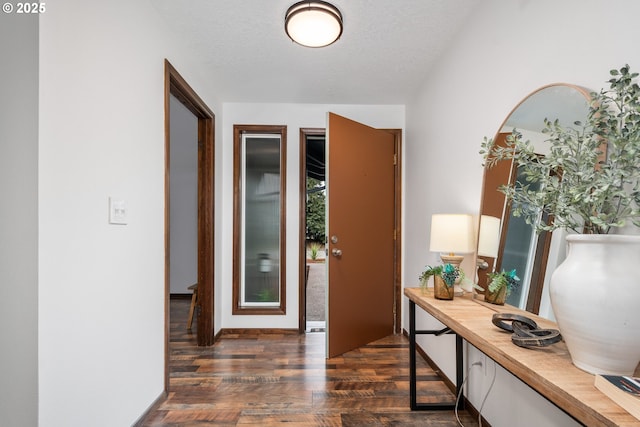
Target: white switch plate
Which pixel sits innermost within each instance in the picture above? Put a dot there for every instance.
(117, 211)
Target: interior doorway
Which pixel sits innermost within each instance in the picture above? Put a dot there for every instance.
(177, 87)
(315, 239)
(183, 190)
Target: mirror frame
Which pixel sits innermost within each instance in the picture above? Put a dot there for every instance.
(543, 240)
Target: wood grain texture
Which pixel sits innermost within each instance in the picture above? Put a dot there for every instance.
(283, 379)
(360, 289)
(547, 370)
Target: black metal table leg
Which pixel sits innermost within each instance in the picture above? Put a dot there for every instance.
(413, 395)
(412, 356)
(459, 369)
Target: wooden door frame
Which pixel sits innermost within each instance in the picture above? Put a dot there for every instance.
(397, 285)
(175, 85)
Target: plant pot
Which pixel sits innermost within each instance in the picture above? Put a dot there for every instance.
(595, 294)
(498, 297)
(424, 286)
(440, 289)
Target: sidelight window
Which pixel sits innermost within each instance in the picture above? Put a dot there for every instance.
(259, 219)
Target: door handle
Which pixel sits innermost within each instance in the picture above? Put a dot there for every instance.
(336, 252)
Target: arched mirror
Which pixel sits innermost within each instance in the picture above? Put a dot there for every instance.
(508, 242)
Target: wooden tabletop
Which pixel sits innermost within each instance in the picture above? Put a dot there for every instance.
(548, 370)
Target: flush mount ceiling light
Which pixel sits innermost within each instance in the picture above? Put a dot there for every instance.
(313, 23)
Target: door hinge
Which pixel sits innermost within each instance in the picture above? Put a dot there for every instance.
(200, 145)
(395, 159)
(395, 234)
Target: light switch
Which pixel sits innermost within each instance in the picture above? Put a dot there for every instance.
(117, 211)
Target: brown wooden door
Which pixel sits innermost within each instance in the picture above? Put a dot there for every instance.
(360, 201)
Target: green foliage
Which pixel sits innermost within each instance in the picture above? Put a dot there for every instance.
(590, 180)
(314, 248)
(267, 295)
(503, 279)
(448, 272)
(428, 272)
(315, 210)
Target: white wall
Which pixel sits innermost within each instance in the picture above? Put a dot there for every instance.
(101, 286)
(183, 175)
(507, 50)
(19, 220)
(294, 116)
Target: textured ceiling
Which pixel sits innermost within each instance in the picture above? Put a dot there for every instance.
(384, 54)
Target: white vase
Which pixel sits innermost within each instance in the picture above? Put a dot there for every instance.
(595, 296)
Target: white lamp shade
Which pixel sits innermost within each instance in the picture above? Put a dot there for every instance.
(313, 23)
(452, 233)
(489, 236)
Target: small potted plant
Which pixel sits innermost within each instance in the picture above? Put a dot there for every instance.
(500, 286)
(314, 250)
(444, 276)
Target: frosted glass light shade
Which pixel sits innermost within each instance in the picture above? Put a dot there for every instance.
(489, 236)
(452, 233)
(313, 23)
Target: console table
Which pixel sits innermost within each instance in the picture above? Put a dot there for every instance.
(547, 370)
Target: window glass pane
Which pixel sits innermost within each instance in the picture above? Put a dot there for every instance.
(261, 221)
(519, 251)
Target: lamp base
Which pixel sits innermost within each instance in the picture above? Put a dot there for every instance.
(454, 260)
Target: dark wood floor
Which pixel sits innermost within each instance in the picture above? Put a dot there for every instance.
(276, 380)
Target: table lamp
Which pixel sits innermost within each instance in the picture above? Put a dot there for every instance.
(451, 235)
(488, 239)
(488, 246)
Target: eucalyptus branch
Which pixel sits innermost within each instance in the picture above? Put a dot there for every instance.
(583, 192)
